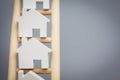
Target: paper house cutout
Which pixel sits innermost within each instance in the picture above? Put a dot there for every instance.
(33, 50)
(30, 20)
(29, 76)
(31, 4)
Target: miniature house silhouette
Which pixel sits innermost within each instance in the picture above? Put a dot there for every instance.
(31, 50)
(30, 20)
(31, 4)
(28, 76)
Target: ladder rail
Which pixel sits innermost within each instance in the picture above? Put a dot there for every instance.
(55, 62)
(14, 41)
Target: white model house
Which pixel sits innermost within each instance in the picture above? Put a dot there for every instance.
(29, 76)
(31, 20)
(31, 50)
(31, 4)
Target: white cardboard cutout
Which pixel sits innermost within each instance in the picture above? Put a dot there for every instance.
(33, 50)
(29, 76)
(30, 20)
(31, 4)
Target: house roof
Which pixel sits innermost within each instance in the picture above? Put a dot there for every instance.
(33, 13)
(35, 42)
(34, 75)
(30, 74)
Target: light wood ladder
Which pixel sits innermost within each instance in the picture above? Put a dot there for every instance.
(54, 40)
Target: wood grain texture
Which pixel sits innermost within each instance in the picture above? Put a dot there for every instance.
(44, 40)
(13, 41)
(55, 62)
(36, 70)
(44, 12)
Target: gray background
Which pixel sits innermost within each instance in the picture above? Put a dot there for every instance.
(90, 39)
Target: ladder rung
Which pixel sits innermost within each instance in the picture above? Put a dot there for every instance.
(37, 70)
(45, 40)
(44, 12)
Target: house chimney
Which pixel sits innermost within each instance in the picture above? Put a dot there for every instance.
(24, 40)
(24, 11)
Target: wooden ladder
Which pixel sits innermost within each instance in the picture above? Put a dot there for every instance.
(54, 40)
